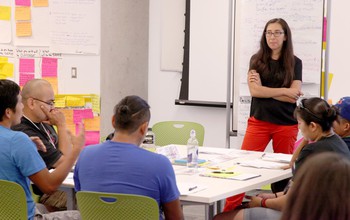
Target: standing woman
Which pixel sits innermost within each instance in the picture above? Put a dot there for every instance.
(274, 80)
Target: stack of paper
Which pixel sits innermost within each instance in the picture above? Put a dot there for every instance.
(277, 157)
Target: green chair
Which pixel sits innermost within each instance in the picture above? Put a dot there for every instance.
(97, 205)
(176, 132)
(13, 203)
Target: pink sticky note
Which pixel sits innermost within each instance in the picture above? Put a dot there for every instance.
(79, 114)
(324, 29)
(92, 137)
(49, 67)
(22, 2)
(25, 77)
(26, 65)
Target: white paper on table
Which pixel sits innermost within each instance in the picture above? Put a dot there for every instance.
(259, 163)
(187, 188)
(277, 157)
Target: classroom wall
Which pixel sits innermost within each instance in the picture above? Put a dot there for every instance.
(124, 54)
(164, 88)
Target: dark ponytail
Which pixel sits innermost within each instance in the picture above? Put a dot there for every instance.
(130, 113)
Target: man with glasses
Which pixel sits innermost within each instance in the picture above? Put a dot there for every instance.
(35, 122)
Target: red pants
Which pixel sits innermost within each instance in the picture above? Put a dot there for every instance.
(257, 136)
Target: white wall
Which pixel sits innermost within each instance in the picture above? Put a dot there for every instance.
(164, 88)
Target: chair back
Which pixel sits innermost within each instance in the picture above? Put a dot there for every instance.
(13, 203)
(97, 205)
(177, 132)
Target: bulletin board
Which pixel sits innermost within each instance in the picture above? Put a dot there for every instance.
(59, 41)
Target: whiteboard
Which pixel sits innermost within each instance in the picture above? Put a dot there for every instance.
(305, 19)
(208, 50)
(208, 59)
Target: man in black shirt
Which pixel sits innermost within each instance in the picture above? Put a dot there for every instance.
(37, 93)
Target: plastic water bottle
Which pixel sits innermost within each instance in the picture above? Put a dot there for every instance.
(149, 142)
(192, 152)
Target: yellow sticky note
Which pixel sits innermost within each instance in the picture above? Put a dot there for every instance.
(5, 13)
(54, 83)
(3, 60)
(7, 69)
(23, 29)
(40, 3)
(92, 124)
(75, 101)
(330, 78)
(95, 99)
(22, 14)
(60, 102)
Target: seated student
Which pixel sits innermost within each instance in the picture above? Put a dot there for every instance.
(20, 160)
(324, 179)
(121, 166)
(315, 118)
(341, 125)
(37, 93)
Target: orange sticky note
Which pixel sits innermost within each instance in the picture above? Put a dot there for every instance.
(22, 14)
(92, 124)
(40, 3)
(23, 29)
(68, 114)
(5, 13)
(54, 83)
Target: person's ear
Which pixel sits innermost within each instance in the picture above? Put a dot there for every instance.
(144, 128)
(29, 102)
(313, 126)
(8, 112)
(113, 121)
(347, 126)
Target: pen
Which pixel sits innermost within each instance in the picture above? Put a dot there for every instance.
(223, 172)
(192, 188)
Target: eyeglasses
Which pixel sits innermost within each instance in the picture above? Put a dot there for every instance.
(300, 104)
(275, 34)
(50, 103)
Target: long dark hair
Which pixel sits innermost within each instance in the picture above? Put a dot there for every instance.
(316, 110)
(260, 60)
(130, 113)
(320, 189)
(9, 91)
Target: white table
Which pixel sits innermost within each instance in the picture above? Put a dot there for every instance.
(216, 189)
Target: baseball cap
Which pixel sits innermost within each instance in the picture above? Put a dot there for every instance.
(343, 106)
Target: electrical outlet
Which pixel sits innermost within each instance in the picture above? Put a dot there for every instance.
(74, 72)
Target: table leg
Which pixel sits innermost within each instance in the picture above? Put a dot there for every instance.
(209, 211)
(71, 200)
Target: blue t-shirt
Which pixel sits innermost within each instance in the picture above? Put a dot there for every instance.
(115, 167)
(19, 159)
